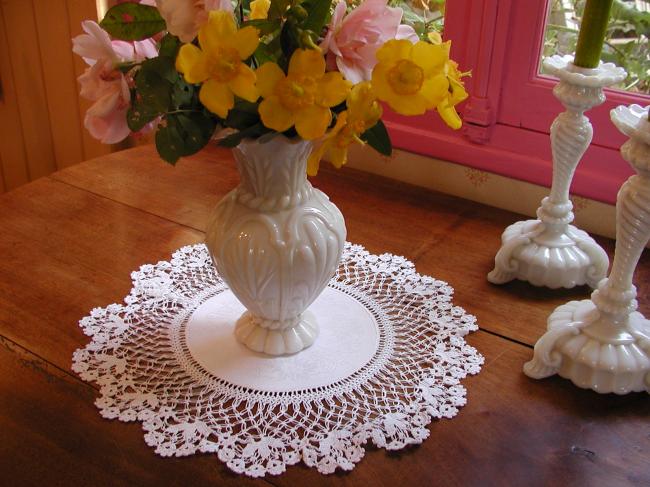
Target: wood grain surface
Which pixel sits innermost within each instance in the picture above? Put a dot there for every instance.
(69, 242)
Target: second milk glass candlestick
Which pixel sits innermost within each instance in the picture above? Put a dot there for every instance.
(603, 343)
(550, 251)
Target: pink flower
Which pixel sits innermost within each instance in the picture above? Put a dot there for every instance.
(352, 41)
(108, 89)
(96, 44)
(105, 85)
(184, 17)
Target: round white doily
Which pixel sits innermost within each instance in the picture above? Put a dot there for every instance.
(389, 358)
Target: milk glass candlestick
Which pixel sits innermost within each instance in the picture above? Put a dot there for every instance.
(550, 251)
(603, 343)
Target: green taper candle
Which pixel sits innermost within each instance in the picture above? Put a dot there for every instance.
(592, 33)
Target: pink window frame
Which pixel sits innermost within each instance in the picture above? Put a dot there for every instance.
(511, 106)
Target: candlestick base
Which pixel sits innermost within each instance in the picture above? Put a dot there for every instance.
(585, 346)
(603, 343)
(538, 253)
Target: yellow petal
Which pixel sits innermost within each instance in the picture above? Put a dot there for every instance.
(260, 9)
(434, 37)
(192, 63)
(429, 57)
(219, 31)
(243, 85)
(449, 115)
(268, 76)
(338, 154)
(312, 122)
(332, 89)
(307, 62)
(458, 92)
(434, 90)
(380, 84)
(246, 41)
(341, 120)
(313, 163)
(408, 104)
(394, 50)
(217, 97)
(274, 115)
(363, 106)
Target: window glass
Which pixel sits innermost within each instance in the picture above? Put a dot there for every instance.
(626, 43)
(428, 15)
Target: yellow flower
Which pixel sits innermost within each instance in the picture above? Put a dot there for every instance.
(455, 95)
(260, 9)
(363, 107)
(218, 63)
(411, 77)
(363, 112)
(301, 98)
(434, 37)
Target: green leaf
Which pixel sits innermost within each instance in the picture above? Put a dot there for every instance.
(319, 14)
(140, 115)
(269, 52)
(153, 90)
(377, 137)
(264, 26)
(289, 39)
(183, 134)
(164, 67)
(278, 8)
(169, 46)
(243, 115)
(182, 93)
(132, 21)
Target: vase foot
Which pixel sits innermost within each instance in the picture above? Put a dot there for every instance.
(255, 333)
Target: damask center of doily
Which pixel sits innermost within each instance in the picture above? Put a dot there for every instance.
(349, 338)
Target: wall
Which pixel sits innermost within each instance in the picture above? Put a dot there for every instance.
(41, 114)
(480, 186)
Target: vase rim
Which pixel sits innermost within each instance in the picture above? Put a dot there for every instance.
(293, 141)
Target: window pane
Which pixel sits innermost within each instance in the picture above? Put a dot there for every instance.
(626, 43)
(423, 15)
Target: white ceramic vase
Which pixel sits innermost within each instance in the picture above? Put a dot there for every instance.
(276, 241)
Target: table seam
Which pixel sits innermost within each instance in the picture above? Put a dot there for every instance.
(81, 188)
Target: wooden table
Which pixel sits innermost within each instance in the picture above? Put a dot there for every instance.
(70, 241)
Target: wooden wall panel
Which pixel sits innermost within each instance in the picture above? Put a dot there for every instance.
(12, 150)
(2, 178)
(60, 81)
(25, 58)
(41, 113)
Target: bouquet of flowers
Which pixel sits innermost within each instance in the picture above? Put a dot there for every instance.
(314, 69)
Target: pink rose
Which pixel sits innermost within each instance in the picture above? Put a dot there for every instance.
(96, 44)
(108, 89)
(105, 85)
(184, 17)
(352, 41)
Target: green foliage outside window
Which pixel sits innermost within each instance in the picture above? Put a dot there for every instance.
(627, 42)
